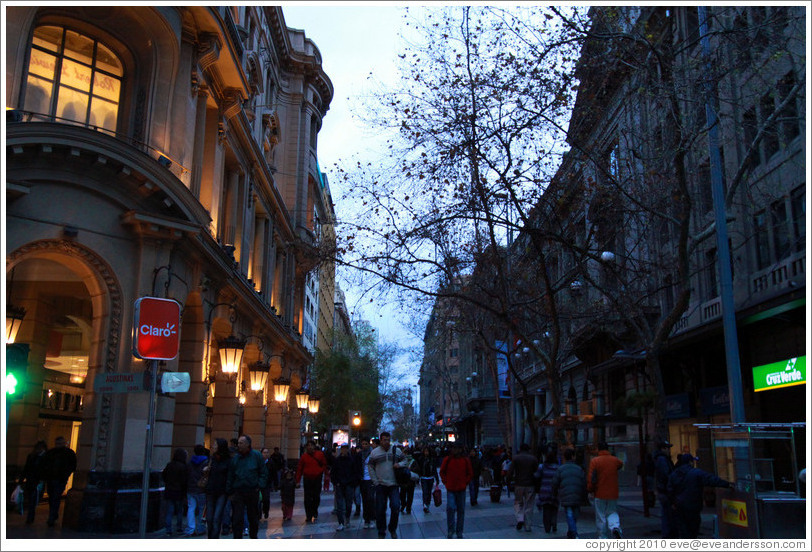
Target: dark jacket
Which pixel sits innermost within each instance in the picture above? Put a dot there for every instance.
(33, 470)
(685, 486)
(663, 466)
(246, 472)
(424, 466)
(218, 475)
(196, 465)
(476, 465)
(569, 484)
(58, 464)
(346, 470)
(176, 477)
(523, 468)
(544, 475)
(287, 490)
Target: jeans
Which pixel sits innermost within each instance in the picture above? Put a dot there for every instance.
(265, 501)
(473, 490)
(345, 494)
(31, 496)
(382, 495)
(174, 507)
(549, 516)
(245, 502)
(668, 522)
(214, 517)
(455, 511)
(312, 497)
(194, 515)
(426, 485)
(55, 490)
(368, 500)
(572, 519)
(407, 497)
(606, 517)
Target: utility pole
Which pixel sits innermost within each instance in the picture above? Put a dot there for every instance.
(734, 376)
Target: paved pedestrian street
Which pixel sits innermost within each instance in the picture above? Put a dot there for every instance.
(487, 520)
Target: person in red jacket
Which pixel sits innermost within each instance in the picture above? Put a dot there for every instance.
(456, 472)
(311, 467)
(602, 481)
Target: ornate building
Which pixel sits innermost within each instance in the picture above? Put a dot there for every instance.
(168, 152)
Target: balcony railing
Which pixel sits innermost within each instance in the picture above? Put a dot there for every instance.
(778, 276)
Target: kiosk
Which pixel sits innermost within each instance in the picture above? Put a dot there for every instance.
(761, 461)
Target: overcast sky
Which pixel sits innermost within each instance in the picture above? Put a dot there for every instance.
(355, 40)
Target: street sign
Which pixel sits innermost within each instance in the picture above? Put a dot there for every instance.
(119, 382)
(175, 382)
(156, 328)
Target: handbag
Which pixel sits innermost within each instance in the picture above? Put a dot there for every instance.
(203, 482)
(437, 495)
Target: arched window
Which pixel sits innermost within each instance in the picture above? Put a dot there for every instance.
(73, 77)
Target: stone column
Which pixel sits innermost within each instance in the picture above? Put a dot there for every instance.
(253, 423)
(225, 409)
(294, 433)
(274, 427)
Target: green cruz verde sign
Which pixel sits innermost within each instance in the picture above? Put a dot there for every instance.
(780, 374)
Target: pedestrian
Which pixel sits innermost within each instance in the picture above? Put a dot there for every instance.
(456, 472)
(355, 452)
(663, 467)
(279, 465)
(176, 479)
(427, 470)
(521, 472)
(312, 466)
(287, 493)
(346, 476)
(270, 474)
(367, 490)
(31, 478)
(59, 463)
(195, 495)
(602, 481)
(569, 487)
(216, 496)
(685, 486)
(473, 486)
(246, 476)
(382, 463)
(407, 489)
(547, 501)
(507, 460)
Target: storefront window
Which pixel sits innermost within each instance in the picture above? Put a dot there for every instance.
(73, 78)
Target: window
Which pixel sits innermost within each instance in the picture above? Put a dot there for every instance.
(770, 137)
(761, 240)
(73, 77)
(712, 280)
(781, 237)
(788, 119)
(798, 204)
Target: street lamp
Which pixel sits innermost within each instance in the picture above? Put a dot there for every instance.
(258, 376)
(14, 319)
(302, 397)
(313, 404)
(281, 385)
(231, 350)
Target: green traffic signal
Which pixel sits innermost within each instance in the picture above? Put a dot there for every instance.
(11, 383)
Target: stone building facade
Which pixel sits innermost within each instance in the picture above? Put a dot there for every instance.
(168, 152)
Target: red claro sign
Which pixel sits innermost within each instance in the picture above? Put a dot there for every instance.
(156, 328)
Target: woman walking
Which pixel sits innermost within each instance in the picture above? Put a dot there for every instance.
(216, 496)
(547, 501)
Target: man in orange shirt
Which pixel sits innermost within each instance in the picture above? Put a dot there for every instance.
(602, 481)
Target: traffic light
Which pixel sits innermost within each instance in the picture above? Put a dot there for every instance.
(11, 383)
(355, 418)
(16, 363)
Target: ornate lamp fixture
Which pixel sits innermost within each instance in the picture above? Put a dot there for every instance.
(231, 350)
(258, 376)
(14, 318)
(281, 386)
(313, 404)
(302, 398)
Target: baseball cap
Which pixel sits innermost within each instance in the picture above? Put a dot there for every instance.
(664, 444)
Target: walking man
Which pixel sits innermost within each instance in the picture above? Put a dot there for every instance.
(473, 485)
(602, 481)
(312, 466)
(58, 464)
(246, 475)
(382, 463)
(685, 486)
(663, 466)
(346, 474)
(367, 492)
(569, 486)
(456, 472)
(522, 472)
